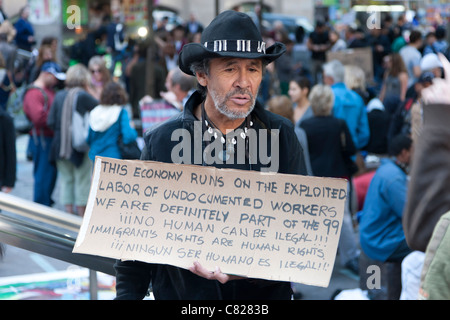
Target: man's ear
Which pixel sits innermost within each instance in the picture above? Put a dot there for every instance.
(202, 78)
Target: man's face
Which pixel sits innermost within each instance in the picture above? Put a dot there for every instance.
(233, 85)
(50, 80)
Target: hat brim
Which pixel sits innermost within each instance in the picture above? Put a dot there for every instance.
(193, 52)
(60, 76)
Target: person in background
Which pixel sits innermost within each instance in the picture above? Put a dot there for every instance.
(137, 79)
(411, 56)
(430, 62)
(395, 80)
(6, 84)
(355, 80)
(430, 39)
(381, 47)
(425, 219)
(45, 54)
(193, 26)
(330, 148)
(108, 121)
(25, 39)
(285, 67)
(348, 105)
(7, 152)
(408, 117)
(380, 221)
(179, 87)
(100, 76)
(379, 122)
(337, 44)
(282, 105)
(7, 48)
(74, 167)
(299, 88)
(441, 44)
(318, 43)
(36, 105)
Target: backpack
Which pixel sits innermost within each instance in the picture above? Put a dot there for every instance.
(22, 123)
(80, 128)
(401, 119)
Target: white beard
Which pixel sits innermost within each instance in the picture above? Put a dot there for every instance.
(221, 106)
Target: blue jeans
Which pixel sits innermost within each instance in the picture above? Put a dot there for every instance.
(44, 172)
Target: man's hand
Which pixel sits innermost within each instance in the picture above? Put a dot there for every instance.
(201, 271)
(438, 91)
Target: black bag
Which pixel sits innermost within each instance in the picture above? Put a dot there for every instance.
(351, 165)
(129, 151)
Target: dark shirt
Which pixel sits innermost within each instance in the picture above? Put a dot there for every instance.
(319, 38)
(7, 150)
(325, 149)
(379, 121)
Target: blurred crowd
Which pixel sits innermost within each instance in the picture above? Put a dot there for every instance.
(349, 125)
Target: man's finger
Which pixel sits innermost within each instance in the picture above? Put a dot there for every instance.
(221, 277)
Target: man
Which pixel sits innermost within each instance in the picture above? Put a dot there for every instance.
(137, 75)
(36, 105)
(229, 66)
(380, 225)
(430, 62)
(318, 43)
(25, 32)
(411, 56)
(348, 105)
(115, 41)
(381, 47)
(179, 86)
(408, 117)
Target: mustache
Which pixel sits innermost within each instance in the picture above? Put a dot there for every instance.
(240, 91)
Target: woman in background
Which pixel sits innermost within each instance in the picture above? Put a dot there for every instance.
(74, 167)
(282, 106)
(100, 76)
(395, 81)
(108, 121)
(299, 88)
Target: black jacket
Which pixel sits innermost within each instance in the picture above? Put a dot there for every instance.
(7, 150)
(85, 103)
(329, 157)
(169, 282)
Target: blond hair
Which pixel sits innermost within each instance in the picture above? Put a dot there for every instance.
(321, 99)
(77, 76)
(354, 77)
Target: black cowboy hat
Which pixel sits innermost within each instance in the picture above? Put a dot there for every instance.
(230, 34)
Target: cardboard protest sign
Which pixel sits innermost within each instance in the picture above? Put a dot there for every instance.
(254, 224)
